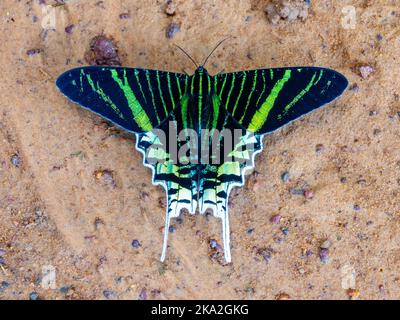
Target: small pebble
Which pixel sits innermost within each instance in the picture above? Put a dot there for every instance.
(308, 194)
(109, 294)
(103, 52)
(4, 285)
(2, 252)
(172, 29)
(278, 10)
(319, 148)
(324, 255)
(376, 132)
(98, 222)
(250, 231)
(33, 296)
(309, 253)
(170, 8)
(124, 16)
(136, 244)
(296, 191)
(362, 236)
(275, 219)
(354, 87)
(266, 254)
(343, 180)
(104, 48)
(285, 231)
(366, 71)
(215, 245)
(33, 52)
(65, 289)
(285, 176)
(353, 293)
(144, 196)
(161, 202)
(171, 229)
(106, 177)
(143, 294)
(356, 207)
(69, 29)
(15, 160)
(2, 261)
(282, 296)
(326, 244)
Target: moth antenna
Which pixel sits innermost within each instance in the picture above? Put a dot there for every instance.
(215, 48)
(194, 62)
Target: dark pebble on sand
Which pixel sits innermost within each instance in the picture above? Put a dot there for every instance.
(103, 52)
(33, 296)
(215, 245)
(109, 294)
(69, 28)
(106, 177)
(266, 254)
(171, 229)
(285, 176)
(356, 207)
(250, 231)
(33, 52)
(136, 244)
(172, 29)
(2, 261)
(170, 8)
(104, 48)
(319, 148)
(124, 16)
(65, 289)
(275, 219)
(354, 87)
(309, 253)
(16, 160)
(296, 191)
(324, 255)
(143, 294)
(4, 285)
(285, 231)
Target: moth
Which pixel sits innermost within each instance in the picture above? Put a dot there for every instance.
(170, 113)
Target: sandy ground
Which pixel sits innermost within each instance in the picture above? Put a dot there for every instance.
(74, 193)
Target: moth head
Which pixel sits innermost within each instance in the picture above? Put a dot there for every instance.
(201, 70)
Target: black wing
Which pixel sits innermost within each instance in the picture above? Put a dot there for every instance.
(138, 100)
(266, 99)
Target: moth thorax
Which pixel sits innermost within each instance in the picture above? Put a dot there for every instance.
(201, 83)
